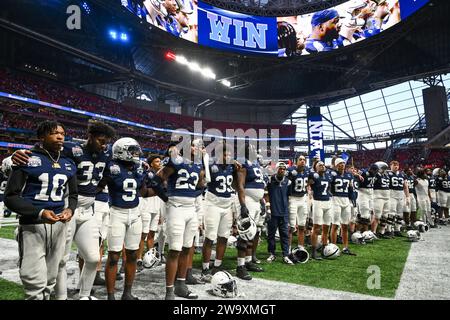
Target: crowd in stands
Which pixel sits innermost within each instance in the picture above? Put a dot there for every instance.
(49, 91)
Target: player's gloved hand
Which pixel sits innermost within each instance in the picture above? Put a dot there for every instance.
(20, 157)
(244, 211)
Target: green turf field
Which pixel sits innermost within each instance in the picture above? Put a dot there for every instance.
(10, 291)
(7, 232)
(347, 273)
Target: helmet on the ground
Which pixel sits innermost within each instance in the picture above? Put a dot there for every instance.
(151, 258)
(331, 251)
(357, 238)
(223, 285)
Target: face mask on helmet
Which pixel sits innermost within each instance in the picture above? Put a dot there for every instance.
(223, 285)
(126, 149)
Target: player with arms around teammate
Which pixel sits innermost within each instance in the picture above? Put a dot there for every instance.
(443, 187)
(320, 183)
(125, 179)
(298, 202)
(90, 158)
(184, 176)
(36, 192)
(218, 212)
(342, 190)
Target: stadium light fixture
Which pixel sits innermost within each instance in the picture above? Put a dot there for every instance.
(192, 65)
(226, 83)
(113, 34)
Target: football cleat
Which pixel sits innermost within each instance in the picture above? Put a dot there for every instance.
(242, 273)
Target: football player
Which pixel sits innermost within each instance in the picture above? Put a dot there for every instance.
(443, 187)
(125, 179)
(218, 212)
(91, 158)
(250, 189)
(399, 197)
(325, 30)
(365, 197)
(4, 173)
(381, 196)
(410, 214)
(298, 203)
(36, 192)
(319, 182)
(342, 190)
(150, 213)
(184, 176)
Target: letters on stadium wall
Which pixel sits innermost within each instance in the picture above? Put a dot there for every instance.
(326, 30)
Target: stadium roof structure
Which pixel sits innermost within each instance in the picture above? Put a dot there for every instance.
(35, 33)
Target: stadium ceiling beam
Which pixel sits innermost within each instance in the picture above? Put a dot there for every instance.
(344, 132)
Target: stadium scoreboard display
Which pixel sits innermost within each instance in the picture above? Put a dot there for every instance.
(320, 31)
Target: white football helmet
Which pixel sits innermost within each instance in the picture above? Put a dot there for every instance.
(300, 255)
(331, 251)
(223, 285)
(126, 149)
(382, 166)
(436, 171)
(232, 241)
(357, 238)
(246, 228)
(421, 226)
(369, 236)
(413, 235)
(7, 166)
(151, 258)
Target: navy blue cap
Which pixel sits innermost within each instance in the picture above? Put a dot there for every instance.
(323, 16)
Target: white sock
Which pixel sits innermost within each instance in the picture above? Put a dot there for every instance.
(248, 258)
(217, 263)
(241, 261)
(205, 265)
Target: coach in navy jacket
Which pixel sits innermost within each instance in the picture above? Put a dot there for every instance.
(279, 190)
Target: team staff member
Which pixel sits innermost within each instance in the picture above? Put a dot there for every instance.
(36, 192)
(279, 189)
